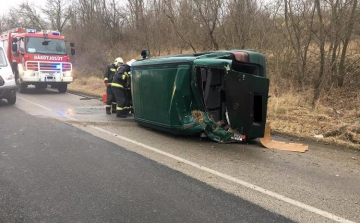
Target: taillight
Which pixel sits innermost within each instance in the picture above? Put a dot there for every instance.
(241, 56)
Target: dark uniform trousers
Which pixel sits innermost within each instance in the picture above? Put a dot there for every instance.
(108, 78)
(128, 96)
(129, 100)
(122, 101)
(110, 100)
(119, 87)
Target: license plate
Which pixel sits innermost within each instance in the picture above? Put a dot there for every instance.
(49, 73)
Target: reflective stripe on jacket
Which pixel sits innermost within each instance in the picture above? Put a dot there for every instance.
(109, 73)
(120, 78)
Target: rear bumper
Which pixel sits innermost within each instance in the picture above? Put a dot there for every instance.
(8, 92)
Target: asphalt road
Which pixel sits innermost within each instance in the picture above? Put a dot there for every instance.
(63, 160)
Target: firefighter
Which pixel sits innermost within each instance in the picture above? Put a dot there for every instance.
(128, 86)
(118, 86)
(108, 79)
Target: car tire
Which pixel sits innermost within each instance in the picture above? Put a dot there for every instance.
(11, 101)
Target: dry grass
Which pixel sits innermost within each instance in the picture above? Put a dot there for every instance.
(91, 86)
(336, 116)
(198, 115)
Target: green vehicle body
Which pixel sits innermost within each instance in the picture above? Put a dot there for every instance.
(223, 94)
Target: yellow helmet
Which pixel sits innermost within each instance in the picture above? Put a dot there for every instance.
(118, 61)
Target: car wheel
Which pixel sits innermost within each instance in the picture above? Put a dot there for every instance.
(11, 100)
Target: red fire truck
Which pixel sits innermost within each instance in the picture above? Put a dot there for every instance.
(38, 58)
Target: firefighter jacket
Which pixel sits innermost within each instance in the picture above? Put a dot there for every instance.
(128, 71)
(109, 73)
(121, 78)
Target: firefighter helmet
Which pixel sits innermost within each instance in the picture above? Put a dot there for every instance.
(118, 61)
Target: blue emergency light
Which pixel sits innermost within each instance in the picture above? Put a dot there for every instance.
(55, 33)
(58, 66)
(31, 30)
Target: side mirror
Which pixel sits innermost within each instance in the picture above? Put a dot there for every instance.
(145, 54)
(72, 45)
(72, 51)
(14, 48)
(14, 40)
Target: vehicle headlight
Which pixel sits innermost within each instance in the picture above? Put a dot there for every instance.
(67, 74)
(29, 73)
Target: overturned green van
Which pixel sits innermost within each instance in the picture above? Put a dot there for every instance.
(223, 94)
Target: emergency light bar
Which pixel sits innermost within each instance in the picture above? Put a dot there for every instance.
(31, 30)
(51, 32)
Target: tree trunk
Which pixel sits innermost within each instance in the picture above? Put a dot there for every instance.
(349, 30)
(321, 77)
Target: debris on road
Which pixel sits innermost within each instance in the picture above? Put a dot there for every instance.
(267, 142)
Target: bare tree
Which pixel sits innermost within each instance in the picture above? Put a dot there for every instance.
(348, 31)
(178, 20)
(209, 17)
(306, 42)
(322, 74)
(27, 15)
(299, 20)
(58, 13)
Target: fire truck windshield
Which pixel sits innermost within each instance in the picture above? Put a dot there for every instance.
(53, 46)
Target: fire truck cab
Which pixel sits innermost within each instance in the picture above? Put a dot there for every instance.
(38, 58)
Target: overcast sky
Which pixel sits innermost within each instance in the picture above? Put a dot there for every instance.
(5, 5)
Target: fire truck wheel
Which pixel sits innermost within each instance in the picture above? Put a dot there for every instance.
(22, 88)
(62, 88)
(41, 86)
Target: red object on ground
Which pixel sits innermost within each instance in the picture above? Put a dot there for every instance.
(104, 97)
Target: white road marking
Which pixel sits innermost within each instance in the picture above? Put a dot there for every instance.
(219, 174)
(66, 116)
(35, 103)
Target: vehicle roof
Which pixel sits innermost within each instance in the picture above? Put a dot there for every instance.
(41, 35)
(189, 58)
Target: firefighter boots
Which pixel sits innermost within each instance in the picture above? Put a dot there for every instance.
(108, 110)
(121, 114)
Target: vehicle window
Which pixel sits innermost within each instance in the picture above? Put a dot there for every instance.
(21, 45)
(3, 61)
(36, 45)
